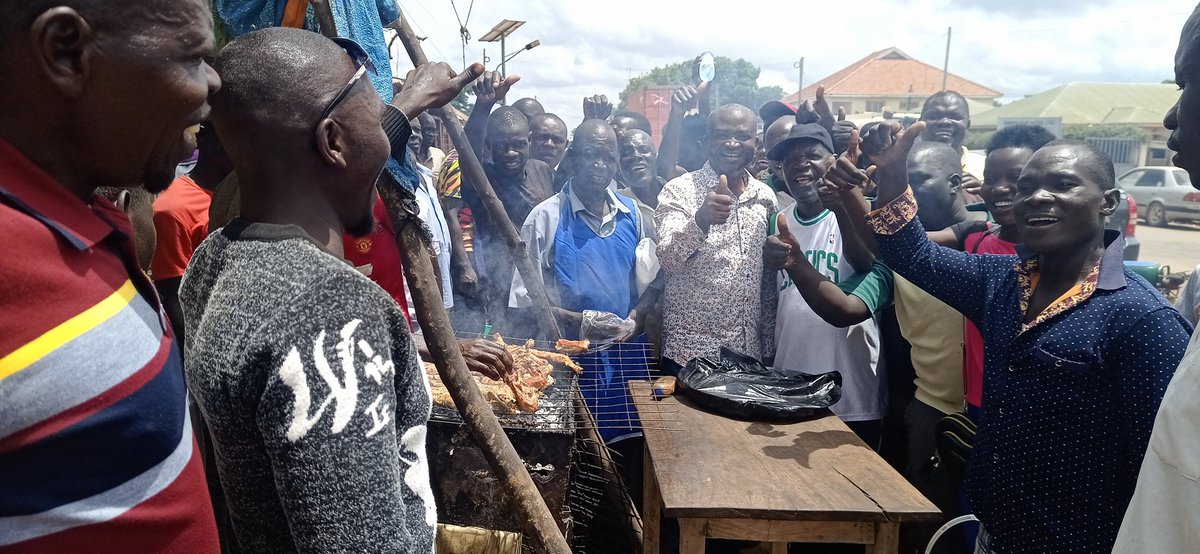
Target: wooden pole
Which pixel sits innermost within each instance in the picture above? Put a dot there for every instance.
(472, 171)
(425, 288)
(477, 414)
(324, 13)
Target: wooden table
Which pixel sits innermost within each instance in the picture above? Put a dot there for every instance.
(813, 481)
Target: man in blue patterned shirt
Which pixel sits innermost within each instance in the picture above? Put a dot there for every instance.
(1077, 350)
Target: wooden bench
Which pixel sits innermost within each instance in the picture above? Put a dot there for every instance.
(813, 481)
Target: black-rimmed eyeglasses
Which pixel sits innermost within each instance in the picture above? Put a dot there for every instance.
(361, 60)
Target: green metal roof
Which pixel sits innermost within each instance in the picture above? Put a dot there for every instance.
(1091, 104)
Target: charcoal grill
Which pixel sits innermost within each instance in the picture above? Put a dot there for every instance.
(468, 492)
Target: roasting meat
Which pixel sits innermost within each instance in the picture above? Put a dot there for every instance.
(520, 391)
(572, 347)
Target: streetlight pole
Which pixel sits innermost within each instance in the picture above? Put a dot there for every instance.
(946, 63)
(800, 65)
(498, 34)
(529, 46)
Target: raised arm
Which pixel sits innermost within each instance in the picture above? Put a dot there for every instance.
(432, 85)
(852, 199)
(827, 299)
(853, 247)
(490, 89)
(958, 279)
(682, 100)
(597, 107)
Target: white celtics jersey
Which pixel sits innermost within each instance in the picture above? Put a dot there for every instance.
(807, 344)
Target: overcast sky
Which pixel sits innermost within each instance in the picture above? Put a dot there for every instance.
(1018, 47)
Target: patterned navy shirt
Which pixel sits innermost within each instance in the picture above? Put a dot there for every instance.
(1069, 398)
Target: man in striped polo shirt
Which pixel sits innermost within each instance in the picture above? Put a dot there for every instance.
(96, 448)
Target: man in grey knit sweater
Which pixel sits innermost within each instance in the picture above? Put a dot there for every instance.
(303, 368)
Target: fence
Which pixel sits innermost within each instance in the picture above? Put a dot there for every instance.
(1126, 153)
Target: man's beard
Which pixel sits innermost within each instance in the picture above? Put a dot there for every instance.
(155, 182)
(364, 227)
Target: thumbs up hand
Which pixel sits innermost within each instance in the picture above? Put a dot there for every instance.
(780, 251)
(718, 204)
(843, 173)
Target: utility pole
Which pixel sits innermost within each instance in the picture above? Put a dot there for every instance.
(946, 64)
(498, 34)
(504, 69)
(799, 65)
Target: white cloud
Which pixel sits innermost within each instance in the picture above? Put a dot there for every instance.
(1019, 47)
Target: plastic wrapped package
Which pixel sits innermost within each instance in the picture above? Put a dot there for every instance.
(739, 386)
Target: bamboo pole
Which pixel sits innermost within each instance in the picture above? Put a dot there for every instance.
(475, 176)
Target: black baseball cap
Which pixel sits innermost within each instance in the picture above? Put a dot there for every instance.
(801, 132)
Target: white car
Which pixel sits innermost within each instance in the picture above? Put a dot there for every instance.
(1163, 194)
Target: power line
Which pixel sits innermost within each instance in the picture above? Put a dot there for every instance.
(462, 27)
(432, 43)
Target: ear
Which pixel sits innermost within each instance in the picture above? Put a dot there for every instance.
(1109, 202)
(331, 143)
(968, 124)
(955, 183)
(62, 41)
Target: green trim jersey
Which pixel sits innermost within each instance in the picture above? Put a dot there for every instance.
(807, 344)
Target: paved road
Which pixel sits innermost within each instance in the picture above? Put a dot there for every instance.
(1177, 246)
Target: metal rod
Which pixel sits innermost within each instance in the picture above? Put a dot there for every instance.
(475, 177)
(946, 64)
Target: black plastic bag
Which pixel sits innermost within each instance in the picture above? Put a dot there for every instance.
(739, 386)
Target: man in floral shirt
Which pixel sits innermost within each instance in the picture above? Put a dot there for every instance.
(713, 223)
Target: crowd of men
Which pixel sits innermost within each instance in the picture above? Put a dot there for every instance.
(264, 283)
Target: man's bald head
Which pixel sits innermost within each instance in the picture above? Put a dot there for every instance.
(777, 131)
(595, 131)
(269, 117)
(1093, 162)
(505, 119)
(624, 121)
(935, 154)
(277, 79)
(731, 112)
(529, 107)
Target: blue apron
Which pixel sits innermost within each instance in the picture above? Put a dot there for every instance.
(597, 273)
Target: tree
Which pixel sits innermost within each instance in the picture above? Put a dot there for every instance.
(465, 101)
(736, 82)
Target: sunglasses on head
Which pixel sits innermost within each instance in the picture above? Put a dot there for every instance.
(394, 123)
(361, 60)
